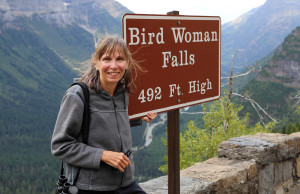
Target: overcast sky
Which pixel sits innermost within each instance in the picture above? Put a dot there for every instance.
(228, 10)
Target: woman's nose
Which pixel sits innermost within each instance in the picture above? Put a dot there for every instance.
(113, 64)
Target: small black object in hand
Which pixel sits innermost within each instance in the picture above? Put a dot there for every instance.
(128, 153)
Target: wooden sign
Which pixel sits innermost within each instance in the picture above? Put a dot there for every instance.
(182, 58)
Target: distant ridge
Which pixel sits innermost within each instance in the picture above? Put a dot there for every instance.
(276, 85)
(94, 16)
(259, 31)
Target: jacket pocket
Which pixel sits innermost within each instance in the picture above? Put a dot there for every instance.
(106, 176)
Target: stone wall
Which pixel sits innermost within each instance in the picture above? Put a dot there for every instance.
(264, 163)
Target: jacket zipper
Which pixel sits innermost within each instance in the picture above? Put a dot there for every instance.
(122, 174)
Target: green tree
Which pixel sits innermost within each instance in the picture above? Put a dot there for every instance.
(221, 122)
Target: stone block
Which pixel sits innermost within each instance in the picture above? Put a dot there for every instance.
(262, 147)
(266, 179)
(278, 173)
(298, 167)
(287, 173)
(187, 185)
(196, 186)
(297, 143)
(288, 145)
(288, 148)
(225, 176)
(158, 185)
(244, 148)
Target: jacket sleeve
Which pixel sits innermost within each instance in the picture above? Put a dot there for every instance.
(64, 144)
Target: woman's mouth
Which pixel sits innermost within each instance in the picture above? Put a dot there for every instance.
(113, 74)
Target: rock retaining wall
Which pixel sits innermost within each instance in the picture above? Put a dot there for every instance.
(264, 163)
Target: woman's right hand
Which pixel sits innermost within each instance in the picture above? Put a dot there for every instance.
(116, 159)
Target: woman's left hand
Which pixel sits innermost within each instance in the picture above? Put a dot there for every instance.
(150, 116)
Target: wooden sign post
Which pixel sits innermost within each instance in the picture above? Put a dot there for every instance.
(173, 147)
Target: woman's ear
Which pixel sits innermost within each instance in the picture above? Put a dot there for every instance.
(95, 65)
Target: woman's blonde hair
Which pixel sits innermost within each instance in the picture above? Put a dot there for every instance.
(108, 45)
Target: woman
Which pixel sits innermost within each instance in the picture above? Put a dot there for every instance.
(104, 166)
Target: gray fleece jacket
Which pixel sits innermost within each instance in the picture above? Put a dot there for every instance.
(109, 130)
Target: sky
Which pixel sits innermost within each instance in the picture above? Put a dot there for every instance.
(228, 10)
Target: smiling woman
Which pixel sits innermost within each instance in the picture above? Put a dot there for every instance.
(106, 165)
(111, 69)
(111, 62)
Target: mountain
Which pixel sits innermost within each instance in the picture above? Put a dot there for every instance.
(42, 42)
(100, 15)
(33, 80)
(284, 66)
(53, 22)
(258, 32)
(274, 87)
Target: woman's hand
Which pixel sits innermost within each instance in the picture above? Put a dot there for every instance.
(150, 116)
(116, 159)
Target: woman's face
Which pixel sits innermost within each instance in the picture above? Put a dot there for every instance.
(111, 69)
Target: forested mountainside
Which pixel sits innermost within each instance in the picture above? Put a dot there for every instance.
(52, 22)
(33, 79)
(284, 66)
(277, 84)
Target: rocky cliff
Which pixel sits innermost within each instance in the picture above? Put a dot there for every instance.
(94, 16)
(284, 65)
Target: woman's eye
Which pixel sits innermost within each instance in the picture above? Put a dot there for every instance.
(106, 59)
(120, 59)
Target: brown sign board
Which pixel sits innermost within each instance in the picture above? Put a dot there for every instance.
(182, 59)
